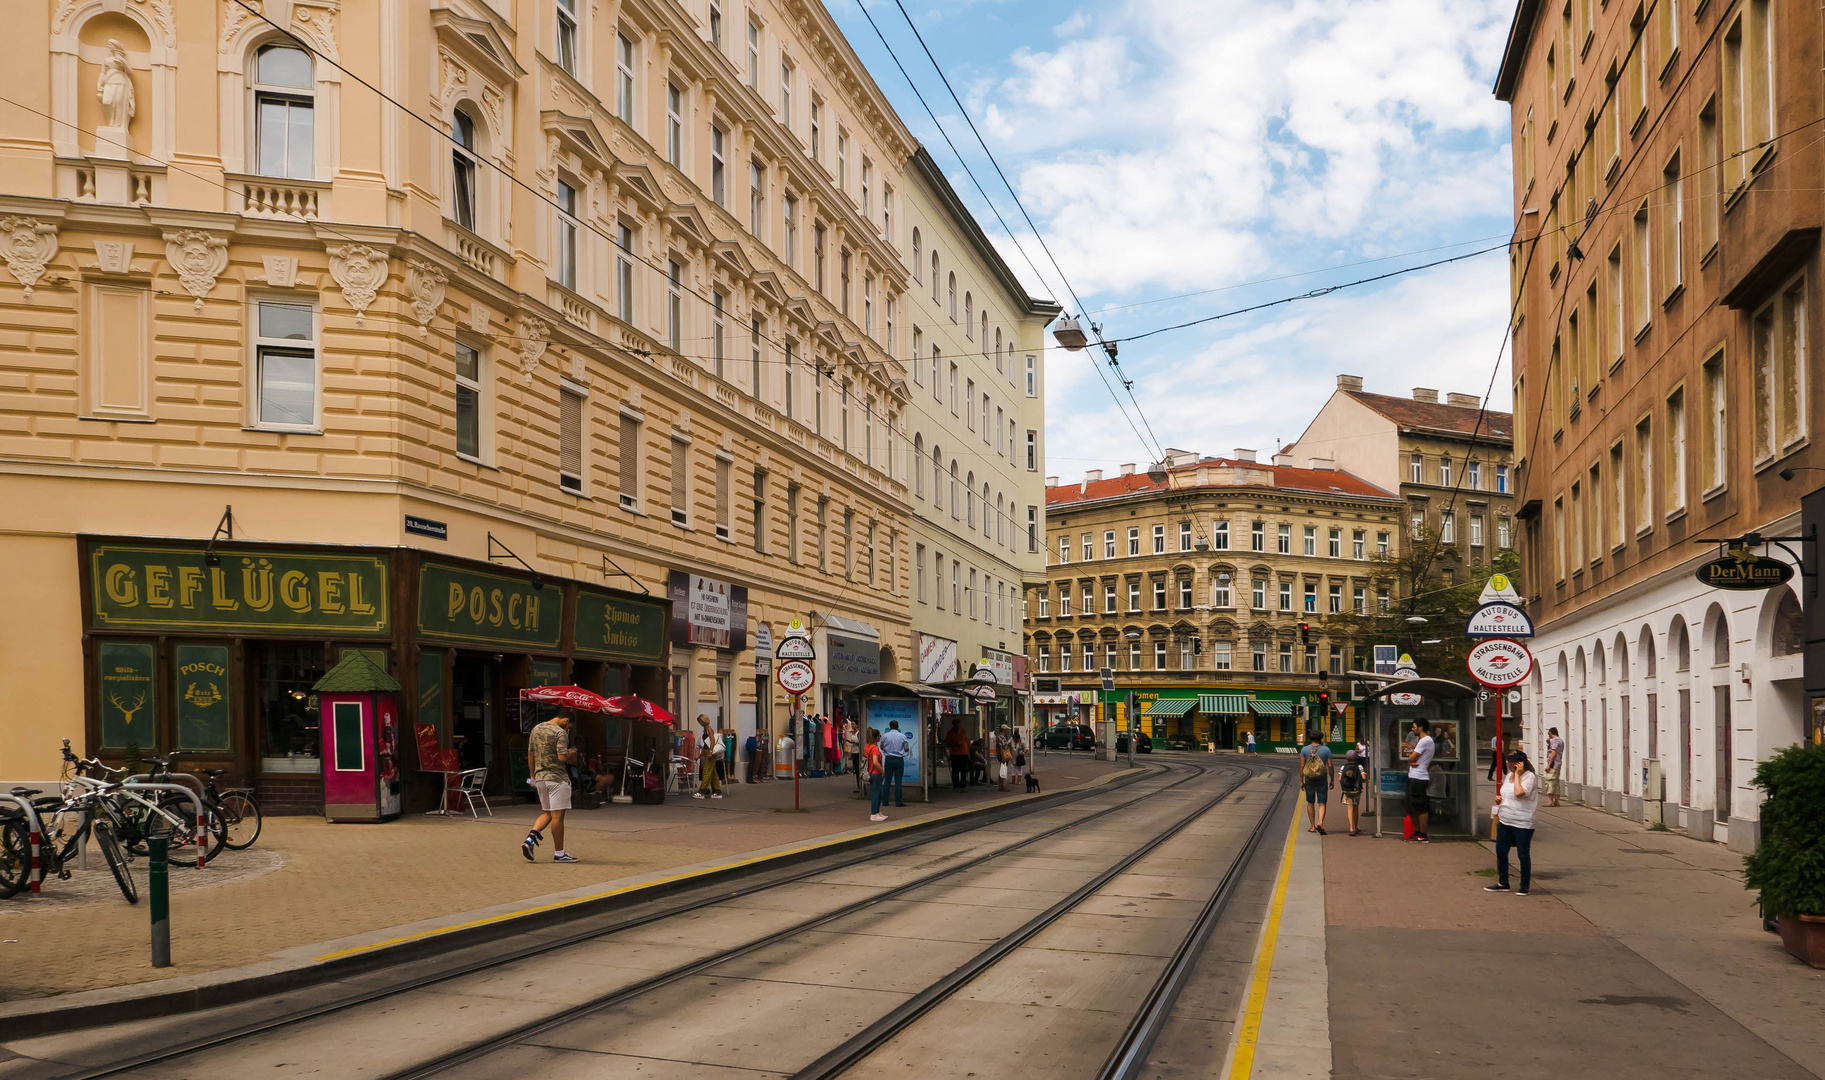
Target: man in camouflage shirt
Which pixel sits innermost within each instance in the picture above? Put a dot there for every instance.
(547, 752)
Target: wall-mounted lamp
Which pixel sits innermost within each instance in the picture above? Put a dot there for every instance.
(224, 530)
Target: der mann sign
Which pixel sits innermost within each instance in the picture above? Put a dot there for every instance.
(1742, 570)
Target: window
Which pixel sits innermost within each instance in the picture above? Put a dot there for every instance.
(1285, 539)
(953, 388)
(1089, 595)
(1577, 529)
(868, 313)
(630, 463)
(1777, 340)
(754, 357)
(1032, 375)
(1414, 466)
(1444, 472)
(785, 94)
(1672, 221)
(681, 490)
(1310, 539)
(1219, 536)
(1311, 597)
(1336, 660)
(462, 170)
(716, 23)
(1501, 479)
(1473, 475)
(1108, 597)
(952, 285)
(1419, 524)
(760, 511)
(1502, 534)
(987, 433)
(1088, 550)
(1286, 656)
(1159, 594)
(1381, 601)
(1716, 426)
(285, 354)
(1258, 598)
(788, 376)
(719, 167)
(969, 394)
(1032, 450)
(1064, 657)
(284, 117)
(717, 333)
(1187, 654)
(842, 160)
(757, 199)
(1286, 596)
(817, 273)
(725, 501)
(1357, 546)
(1159, 655)
(919, 576)
(1711, 184)
(1220, 656)
(1184, 536)
(624, 273)
(1257, 537)
(1676, 451)
(1185, 593)
(1559, 539)
(754, 55)
(674, 304)
(1476, 530)
(1311, 659)
(969, 316)
(1381, 543)
(1748, 91)
(1447, 527)
(674, 126)
(1357, 602)
(1159, 539)
(1033, 529)
(867, 188)
(1259, 652)
(1219, 592)
(1109, 544)
(1334, 545)
(624, 79)
(570, 440)
(469, 399)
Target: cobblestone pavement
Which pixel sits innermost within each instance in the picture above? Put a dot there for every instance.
(336, 881)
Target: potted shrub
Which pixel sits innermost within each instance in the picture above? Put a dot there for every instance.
(1789, 866)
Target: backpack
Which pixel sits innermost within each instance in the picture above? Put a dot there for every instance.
(1351, 778)
(1313, 767)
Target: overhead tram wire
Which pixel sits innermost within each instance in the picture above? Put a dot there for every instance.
(1005, 228)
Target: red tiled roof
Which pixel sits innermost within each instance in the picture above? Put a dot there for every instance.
(1286, 477)
(1436, 416)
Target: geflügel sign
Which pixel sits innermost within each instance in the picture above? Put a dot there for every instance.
(1499, 663)
(1499, 619)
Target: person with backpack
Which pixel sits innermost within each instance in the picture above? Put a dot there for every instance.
(1315, 772)
(1349, 783)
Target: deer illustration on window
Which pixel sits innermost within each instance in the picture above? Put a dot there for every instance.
(127, 709)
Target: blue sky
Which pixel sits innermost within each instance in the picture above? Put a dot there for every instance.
(1167, 147)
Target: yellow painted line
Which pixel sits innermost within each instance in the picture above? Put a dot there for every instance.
(1242, 1063)
(651, 882)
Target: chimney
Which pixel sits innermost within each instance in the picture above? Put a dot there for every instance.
(1128, 469)
(1349, 382)
(1244, 454)
(1463, 401)
(1323, 464)
(1420, 393)
(1091, 476)
(1051, 481)
(1283, 459)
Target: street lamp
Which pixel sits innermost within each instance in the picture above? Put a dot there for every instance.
(1070, 335)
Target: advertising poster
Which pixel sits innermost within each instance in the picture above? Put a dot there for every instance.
(709, 612)
(202, 697)
(1444, 741)
(937, 659)
(883, 710)
(128, 715)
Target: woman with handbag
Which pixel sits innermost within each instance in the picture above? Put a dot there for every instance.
(877, 775)
(1004, 759)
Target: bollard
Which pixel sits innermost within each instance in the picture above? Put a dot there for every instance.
(157, 874)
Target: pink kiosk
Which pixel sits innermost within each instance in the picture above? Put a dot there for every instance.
(360, 720)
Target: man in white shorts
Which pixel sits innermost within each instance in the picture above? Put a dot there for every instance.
(547, 752)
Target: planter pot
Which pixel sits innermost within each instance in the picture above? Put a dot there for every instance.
(1804, 936)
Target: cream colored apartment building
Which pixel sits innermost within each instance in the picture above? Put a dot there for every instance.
(1667, 195)
(976, 414)
(493, 324)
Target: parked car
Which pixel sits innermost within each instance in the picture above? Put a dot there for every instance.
(1143, 744)
(1069, 737)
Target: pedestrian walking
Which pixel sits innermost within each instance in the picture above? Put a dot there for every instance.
(850, 749)
(752, 747)
(1349, 785)
(1515, 805)
(1020, 760)
(709, 755)
(1251, 743)
(548, 753)
(957, 745)
(1419, 782)
(877, 777)
(1555, 766)
(1495, 756)
(1004, 759)
(1315, 771)
(893, 750)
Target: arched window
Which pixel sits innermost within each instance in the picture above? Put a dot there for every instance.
(463, 170)
(969, 499)
(985, 335)
(988, 527)
(918, 473)
(1720, 641)
(969, 316)
(937, 478)
(283, 113)
(997, 348)
(956, 507)
(1679, 646)
(1789, 636)
(953, 295)
(1645, 649)
(915, 257)
(934, 277)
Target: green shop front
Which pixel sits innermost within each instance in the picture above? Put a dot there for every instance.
(213, 651)
(1197, 717)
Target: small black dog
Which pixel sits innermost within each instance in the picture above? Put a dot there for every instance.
(1032, 784)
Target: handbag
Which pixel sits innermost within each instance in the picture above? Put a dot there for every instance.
(1004, 770)
(1406, 827)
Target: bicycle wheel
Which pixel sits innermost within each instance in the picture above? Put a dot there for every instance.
(183, 840)
(241, 818)
(116, 859)
(15, 856)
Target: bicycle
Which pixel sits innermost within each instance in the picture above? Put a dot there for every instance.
(236, 807)
(55, 850)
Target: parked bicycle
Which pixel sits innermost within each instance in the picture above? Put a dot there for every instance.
(236, 807)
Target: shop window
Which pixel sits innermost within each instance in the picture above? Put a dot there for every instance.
(290, 715)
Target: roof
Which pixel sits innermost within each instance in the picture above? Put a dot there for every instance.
(972, 231)
(1519, 32)
(1286, 478)
(1438, 417)
(356, 674)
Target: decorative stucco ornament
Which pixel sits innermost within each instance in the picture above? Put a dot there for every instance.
(199, 257)
(360, 271)
(27, 244)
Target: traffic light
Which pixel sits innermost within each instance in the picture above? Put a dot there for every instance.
(1305, 632)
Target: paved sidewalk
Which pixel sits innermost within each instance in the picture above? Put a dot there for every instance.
(1639, 954)
(308, 882)
(1292, 1042)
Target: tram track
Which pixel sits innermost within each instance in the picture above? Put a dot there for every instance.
(271, 1024)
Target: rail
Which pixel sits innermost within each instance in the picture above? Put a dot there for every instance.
(35, 831)
(202, 813)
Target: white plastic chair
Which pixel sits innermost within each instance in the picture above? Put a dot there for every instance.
(470, 783)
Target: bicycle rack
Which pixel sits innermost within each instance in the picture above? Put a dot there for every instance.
(202, 825)
(36, 831)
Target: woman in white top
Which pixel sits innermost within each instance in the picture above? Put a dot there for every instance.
(1515, 806)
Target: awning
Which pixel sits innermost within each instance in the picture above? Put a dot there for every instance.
(963, 688)
(850, 626)
(881, 688)
(1170, 706)
(1223, 704)
(1271, 708)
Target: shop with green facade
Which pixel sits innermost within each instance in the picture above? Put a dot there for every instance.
(1195, 717)
(213, 651)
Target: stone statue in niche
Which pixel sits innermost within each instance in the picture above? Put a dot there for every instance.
(115, 88)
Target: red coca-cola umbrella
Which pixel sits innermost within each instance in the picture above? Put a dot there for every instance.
(572, 697)
(636, 706)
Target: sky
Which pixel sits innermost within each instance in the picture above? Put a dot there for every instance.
(1242, 152)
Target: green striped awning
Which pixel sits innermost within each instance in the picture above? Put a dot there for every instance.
(1223, 704)
(1271, 708)
(1170, 707)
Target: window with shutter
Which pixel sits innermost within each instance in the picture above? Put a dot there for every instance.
(630, 463)
(570, 440)
(724, 511)
(681, 482)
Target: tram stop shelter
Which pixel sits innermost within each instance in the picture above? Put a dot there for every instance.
(1447, 706)
(909, 703)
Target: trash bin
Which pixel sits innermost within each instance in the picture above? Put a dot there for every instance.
(783, 759)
